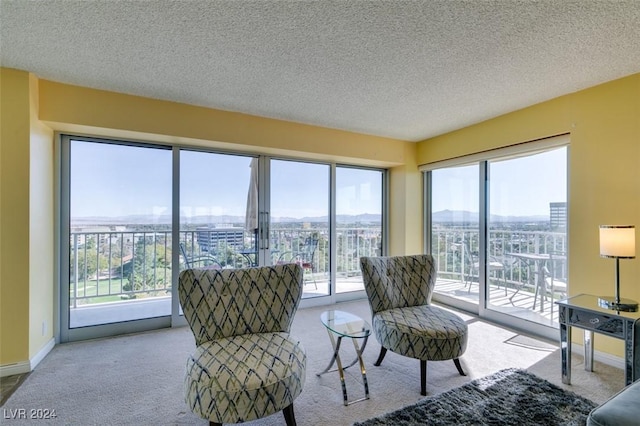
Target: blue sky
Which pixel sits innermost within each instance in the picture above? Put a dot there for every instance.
(107, 180)
(116, 180)
(518, 187)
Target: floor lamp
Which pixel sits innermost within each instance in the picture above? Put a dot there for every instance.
(618, 242)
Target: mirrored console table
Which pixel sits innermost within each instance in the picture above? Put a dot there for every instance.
(583, 311)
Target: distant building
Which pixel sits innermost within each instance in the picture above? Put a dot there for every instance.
(210, 238)
(82, 234)
(558, 216)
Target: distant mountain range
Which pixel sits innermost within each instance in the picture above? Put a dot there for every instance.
(444, 216)
(208, 219)
(449, 216)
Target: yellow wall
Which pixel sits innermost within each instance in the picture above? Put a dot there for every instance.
(14, 217)
(97, 112)
(36, 108)
(604, 172)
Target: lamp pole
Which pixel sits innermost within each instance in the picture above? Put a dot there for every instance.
(617, 301)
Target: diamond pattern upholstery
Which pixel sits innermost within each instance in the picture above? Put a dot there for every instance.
(399, 291)
(423, 332)
(398, 282)
(246, 365)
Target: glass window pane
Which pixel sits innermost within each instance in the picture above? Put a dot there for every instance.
(454, 233)
(359, 223)
(527, 246)
(299, 220)
(214, 228)
(120, 233)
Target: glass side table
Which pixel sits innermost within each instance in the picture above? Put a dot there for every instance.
(343, 324)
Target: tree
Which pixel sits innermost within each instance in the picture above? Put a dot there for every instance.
(146, 271)
(89, 260)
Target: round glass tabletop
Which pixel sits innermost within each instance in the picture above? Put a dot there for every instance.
(345, 324)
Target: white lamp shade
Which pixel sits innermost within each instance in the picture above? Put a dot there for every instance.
(618, 241)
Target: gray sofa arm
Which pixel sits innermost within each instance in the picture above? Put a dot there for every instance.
(622, 409)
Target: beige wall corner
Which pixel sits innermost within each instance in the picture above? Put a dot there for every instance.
(406, 206)
(41, 229)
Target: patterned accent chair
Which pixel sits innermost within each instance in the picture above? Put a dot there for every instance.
(245, 366)
(404, 321)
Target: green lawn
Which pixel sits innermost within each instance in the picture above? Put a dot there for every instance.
(102, 291)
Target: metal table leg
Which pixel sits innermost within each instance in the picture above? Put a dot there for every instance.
(565, 345)
(588, 350)
(363, 371)
(336, 353)
(336, 359)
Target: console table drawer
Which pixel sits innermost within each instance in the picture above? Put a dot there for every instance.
(605, 324)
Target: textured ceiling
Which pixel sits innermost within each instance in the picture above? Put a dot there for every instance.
(401, 69)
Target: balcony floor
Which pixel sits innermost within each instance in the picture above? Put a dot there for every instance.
(520, 305)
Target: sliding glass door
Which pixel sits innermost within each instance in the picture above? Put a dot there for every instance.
(359, 207)
(498, 233)
(527, 235)
(117, 204)
(299, 220)
(455, 231)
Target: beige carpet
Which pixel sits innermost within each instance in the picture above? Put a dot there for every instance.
(137, 379)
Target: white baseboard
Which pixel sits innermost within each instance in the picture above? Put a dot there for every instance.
(603, 357)
(27, 366)
(13, 369)
(42, 353)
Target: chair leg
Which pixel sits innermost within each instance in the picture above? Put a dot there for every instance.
(504, 280)
(423, 377)
(289, 416)
(514, 295)
(315, 284)
(383, 352)
(459, 367)
(310, 268)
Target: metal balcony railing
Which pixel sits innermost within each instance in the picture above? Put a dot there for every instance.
(113, 266)
(502, 244)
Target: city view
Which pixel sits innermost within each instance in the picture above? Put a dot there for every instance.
(134, 254)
